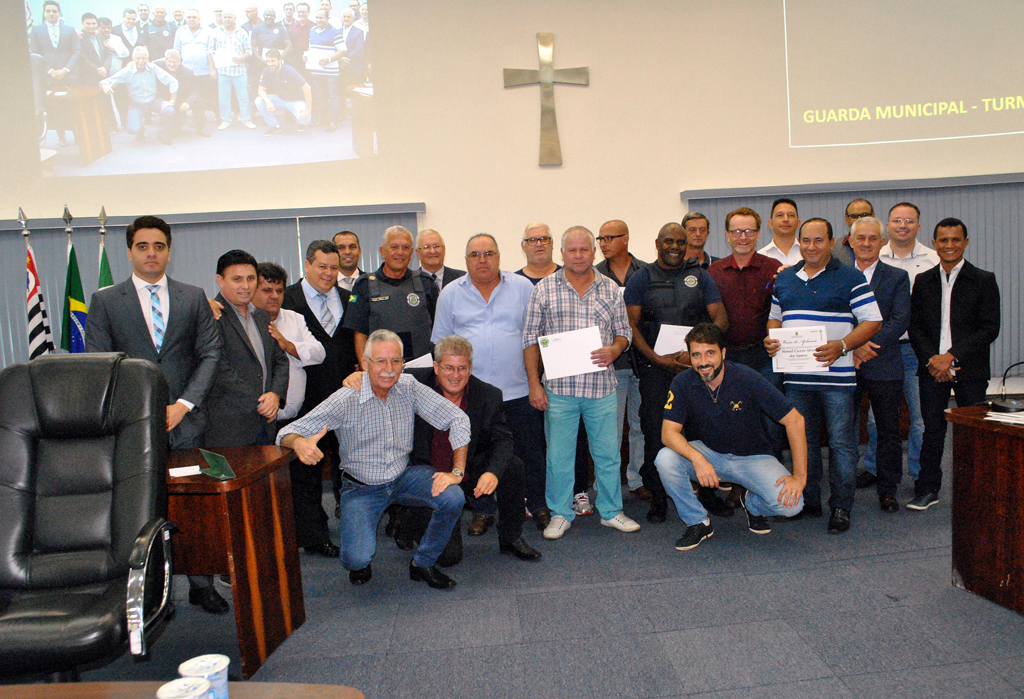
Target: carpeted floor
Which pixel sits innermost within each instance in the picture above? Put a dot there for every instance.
(796, 613)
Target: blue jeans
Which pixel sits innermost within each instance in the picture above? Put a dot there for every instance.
(240, 84)
(627, 401)
(561, 424)
(757, 473)
(836, 409)
(912, 394)
(363, 505)
(137, 111)
(295, 107)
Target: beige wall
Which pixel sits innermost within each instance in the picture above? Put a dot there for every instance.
(684, 94)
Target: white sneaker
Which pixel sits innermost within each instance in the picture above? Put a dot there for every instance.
(620, 522)
(559, 525)
(581, 504)
(250, 125)
(223, 125)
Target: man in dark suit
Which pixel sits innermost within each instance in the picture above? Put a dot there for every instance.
(954, 319)
(92, 60)
(58, 47)
(879, 361)
(352, 67)
(252, 375)
(128, 30)
(322, 304)
(430, 252)
(349, 252)
(152, 317)
(491, 467)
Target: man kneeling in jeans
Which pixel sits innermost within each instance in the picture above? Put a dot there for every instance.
(719, 405)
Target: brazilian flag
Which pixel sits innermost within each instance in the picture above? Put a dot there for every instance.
(73, 327)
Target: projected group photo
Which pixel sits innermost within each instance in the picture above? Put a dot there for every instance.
(154, 87)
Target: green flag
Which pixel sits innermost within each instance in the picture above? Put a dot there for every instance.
(73, 328)
(106, 279)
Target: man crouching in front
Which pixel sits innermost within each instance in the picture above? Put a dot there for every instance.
(374, 426)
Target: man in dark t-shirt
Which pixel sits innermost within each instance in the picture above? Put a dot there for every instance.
(713, 430)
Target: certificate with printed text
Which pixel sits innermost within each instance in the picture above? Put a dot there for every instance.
(568, 353)
(796, 355)
(671, 339)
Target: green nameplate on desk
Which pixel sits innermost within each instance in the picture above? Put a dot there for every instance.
(217, 466)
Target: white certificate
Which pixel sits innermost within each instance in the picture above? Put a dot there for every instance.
(671, 339)
(224, 58)
(796, 355)
(315, 53)
(568, 354)
(424, 362)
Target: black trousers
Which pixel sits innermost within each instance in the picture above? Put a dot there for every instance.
(511, 514)
(307, 496)
(527, 425)
(934, 401)
(654, 385)
(884, 397)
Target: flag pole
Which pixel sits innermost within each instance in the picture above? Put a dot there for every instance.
(40, 341)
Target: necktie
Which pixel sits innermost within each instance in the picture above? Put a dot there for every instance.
(55, 35)
(326, 317)
(158, 317)
(433, 278)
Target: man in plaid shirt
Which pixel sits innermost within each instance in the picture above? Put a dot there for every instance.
(229, 40)
(573, 298)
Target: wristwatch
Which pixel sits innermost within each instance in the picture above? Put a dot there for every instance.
(845, 351)
(458, 472)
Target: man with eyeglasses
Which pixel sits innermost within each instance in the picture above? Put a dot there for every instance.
(538, 247)
(488, 307)
(745, 280)
(619, 265)
(394, 298)
(784, 220)
(905, 251)
(374, 428)
(673, 290)
(697, 229)
(855, 210)
(430, 252)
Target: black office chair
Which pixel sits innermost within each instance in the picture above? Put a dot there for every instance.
(85, 558)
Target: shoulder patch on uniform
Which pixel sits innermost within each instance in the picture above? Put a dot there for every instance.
(352, 298)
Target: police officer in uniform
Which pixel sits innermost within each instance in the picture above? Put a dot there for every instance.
(395, 298)
(673, 290)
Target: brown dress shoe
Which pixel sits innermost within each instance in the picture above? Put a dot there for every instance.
(542, 518)
(642, 493)
(479, 525)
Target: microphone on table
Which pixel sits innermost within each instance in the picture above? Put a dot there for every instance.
(1004, 404)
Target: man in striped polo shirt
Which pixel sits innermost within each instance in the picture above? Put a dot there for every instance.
(821, 291)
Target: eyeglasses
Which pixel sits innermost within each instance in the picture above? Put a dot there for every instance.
(602, 238)
(382, 362)
(486, 254)
(745, 232)
(449, 369)
(903, 221)
(431, 247)
(856, 216)
(543, 240)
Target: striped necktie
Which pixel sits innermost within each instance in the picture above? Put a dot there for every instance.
(158, 316)
(433, 278)
(326, 317)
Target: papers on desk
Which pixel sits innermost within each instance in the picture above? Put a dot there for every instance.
(313, 56)
(183, 471)
(1008, 418)
(224, 58)
(568, 353)
(671, 339)
(424, 362)
(796, 355)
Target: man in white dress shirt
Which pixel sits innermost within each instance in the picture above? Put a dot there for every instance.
(349, 253)
(784, 222)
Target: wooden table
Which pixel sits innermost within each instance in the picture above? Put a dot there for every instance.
(147, 690)
(243, 527)
(988, 504)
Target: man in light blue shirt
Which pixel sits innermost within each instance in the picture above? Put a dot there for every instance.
(488, 308)
(141, 78)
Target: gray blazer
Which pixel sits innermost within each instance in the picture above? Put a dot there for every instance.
(238, 386)
(189, 354)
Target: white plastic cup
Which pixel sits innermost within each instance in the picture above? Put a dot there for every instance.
(213, 668)
(186, 688)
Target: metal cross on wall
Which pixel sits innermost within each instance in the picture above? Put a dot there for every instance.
(547, 76)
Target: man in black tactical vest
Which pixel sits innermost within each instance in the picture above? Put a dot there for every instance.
(673, 290)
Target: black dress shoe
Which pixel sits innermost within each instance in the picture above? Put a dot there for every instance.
(866, 479)
(209, 599)
(361, 576)
(659, 509)
(839, 522)
(521, 550)
(431, 576)
(888, 502)
(325, 549)
(808, 511)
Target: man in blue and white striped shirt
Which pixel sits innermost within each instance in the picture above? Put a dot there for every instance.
(821, 291)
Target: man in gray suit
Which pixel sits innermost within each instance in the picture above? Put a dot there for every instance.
(252, 375)
(152, 317)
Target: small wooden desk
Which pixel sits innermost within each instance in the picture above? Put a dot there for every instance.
(988, 507)
(244, 527)
(147, 690)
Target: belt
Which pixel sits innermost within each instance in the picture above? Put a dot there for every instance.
(905, 342)
(346, 474)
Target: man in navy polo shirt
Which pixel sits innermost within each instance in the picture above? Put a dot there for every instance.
(282, 88)
(719, 406)
(821, 291)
